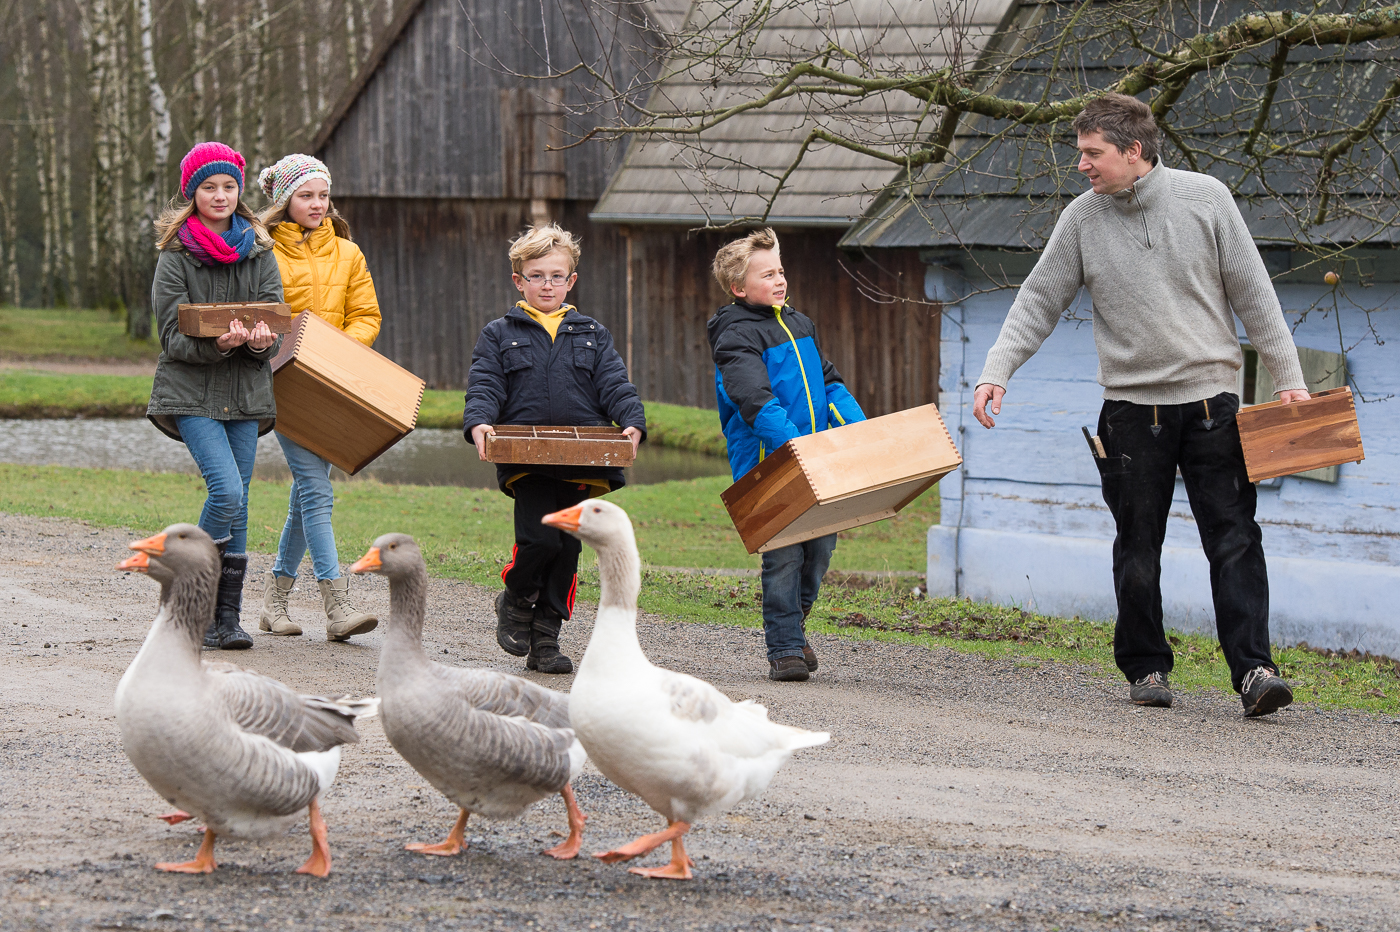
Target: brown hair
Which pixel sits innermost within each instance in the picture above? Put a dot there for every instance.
(175, 214)
(732, 260)
(277, 213)
(1122, 120)
(538, 242)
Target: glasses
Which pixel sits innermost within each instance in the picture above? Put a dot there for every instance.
(539, 278)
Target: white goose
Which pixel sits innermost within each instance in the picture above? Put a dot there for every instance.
(492, 743)
(677, 742)
(240, 750)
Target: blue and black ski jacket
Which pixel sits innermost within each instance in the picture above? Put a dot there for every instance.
(772, 381)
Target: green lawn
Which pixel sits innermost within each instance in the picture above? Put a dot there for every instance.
(465, 534)
(40, 333)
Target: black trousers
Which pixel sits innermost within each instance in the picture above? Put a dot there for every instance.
(544, 562)
(1144, 446)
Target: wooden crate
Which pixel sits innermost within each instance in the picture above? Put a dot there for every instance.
(339, 398)
(840, 478)
(560, 446)
(213, 320)
(1280, 439)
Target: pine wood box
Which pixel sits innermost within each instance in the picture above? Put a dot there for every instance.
(560, 446)
(840, 478)
(339, 398)
(213, 320)
(1280, 439)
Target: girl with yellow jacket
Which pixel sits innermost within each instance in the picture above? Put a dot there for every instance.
(325, 273)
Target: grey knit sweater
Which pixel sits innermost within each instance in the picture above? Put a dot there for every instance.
(1165, 264)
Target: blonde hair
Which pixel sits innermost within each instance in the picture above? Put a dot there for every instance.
(732, 260)
(274, 214)
(538, 242)
(175, 214)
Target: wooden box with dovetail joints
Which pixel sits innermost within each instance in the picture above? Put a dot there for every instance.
(840, 478)
(559, 446)
(1282, 439)
(339, 398)
(214, 320)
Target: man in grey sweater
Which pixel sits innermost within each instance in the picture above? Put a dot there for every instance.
(1168, 262)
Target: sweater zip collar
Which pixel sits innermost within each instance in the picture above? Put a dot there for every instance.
(1144, 188)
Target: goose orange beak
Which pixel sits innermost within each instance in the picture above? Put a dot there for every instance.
(367, 563)
(566, 520)
(137, 563)
(151, 546)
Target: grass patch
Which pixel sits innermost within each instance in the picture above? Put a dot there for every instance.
(48, 333)
(465, 534)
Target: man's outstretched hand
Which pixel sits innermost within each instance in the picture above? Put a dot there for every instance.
(987, 392)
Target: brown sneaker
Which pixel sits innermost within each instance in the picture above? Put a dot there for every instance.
(788, 670)
(809, 657)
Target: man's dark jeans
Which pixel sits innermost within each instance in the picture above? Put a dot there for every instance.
(1145, 444)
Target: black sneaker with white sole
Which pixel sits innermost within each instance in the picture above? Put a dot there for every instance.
(1264, 691)
(1153, 689)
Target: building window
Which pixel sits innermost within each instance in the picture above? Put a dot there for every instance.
(1321, 370)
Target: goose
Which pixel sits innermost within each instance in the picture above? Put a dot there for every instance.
(244, 752)
(677, 742)
(492, 743)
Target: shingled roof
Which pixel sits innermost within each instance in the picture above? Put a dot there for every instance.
(733, 168)
(1006, 191)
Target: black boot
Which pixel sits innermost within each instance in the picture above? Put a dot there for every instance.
(544, 646)
(226, 633)
(513, 618)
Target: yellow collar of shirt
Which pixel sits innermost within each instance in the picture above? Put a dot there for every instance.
(550, 321)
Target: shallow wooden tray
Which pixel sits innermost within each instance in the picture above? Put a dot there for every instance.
(559, 446)
(840, 478)
(1280, 439)
(213, 320)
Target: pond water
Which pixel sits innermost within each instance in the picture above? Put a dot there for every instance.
(424, 457)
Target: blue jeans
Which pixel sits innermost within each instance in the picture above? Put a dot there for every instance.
(792, 577)
(224, 452)
(308, 515)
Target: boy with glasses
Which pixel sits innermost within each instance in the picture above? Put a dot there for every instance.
(545, 363)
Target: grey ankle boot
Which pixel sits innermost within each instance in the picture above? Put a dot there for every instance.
(342, 621)
(274, 616)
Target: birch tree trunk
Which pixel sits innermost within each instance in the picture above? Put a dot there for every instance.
(352, 46)
(138, 314)
(198, 14)
(24, 78)
(323, 60)
(302, 77)
(260, 80)
(70, 258)
(98, 29)
(10, 279)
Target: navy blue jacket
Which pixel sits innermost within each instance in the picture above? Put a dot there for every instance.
(519, 376)
(772, 382)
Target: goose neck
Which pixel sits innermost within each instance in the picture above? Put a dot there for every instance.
(619, 578)
(408, 600)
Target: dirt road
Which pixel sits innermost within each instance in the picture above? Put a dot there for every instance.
(956, 793)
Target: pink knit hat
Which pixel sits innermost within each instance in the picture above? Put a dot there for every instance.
(207, 159)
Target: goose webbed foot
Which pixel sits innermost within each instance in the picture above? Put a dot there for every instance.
(569, 847)
(644, 844)
(319, 864)
(678, 869)
(203, 862)
(175, 818)
(453, 844)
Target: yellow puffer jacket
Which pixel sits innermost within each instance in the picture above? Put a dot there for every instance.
(327, 275)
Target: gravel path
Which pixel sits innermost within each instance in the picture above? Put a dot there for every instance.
(957, 793)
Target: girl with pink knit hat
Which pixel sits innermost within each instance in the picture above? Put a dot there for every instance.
(325, 273)
(215, 393)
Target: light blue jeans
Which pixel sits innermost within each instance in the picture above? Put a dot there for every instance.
(792, 577)
(308, 515)
(224, 452)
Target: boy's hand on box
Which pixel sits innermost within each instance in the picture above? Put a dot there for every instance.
(479, 434)
(635, 435)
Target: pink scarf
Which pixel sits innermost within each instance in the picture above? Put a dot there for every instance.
(210, 247)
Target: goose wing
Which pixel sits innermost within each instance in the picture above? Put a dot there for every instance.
(511, 696)
(738, 728)
(264, 706)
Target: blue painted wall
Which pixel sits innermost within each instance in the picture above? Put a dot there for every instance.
(1024, 522)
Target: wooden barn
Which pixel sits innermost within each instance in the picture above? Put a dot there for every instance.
(438, 153)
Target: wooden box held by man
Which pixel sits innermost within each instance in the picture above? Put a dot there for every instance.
(1168, 262)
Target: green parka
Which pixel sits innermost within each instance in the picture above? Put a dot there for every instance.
(193, 377)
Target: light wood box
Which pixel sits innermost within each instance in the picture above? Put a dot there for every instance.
(1280, 439)
(559, 446)
(840, 478)
(213, 320)
(339, 398)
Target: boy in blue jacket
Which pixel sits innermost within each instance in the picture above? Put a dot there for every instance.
(545, 363)
(773, 384)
